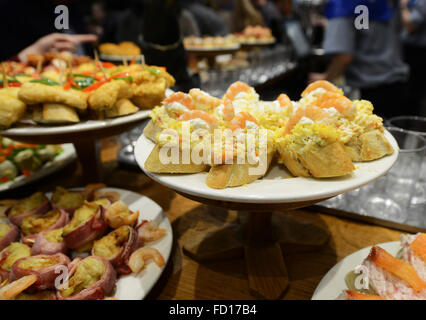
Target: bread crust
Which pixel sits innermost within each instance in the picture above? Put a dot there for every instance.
(369, 146)
(153, 164)
(326, 162)
(234, 175)
(151, 131)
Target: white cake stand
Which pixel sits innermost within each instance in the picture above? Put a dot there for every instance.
(83, 135)
(267, 273)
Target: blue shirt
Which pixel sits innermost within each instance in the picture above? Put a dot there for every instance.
(377, 58)
(418, 20)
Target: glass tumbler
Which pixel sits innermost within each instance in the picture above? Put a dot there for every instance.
(390, 196)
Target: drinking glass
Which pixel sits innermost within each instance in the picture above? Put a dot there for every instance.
(418, 125)
(390, 197)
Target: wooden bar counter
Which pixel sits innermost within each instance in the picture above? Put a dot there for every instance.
(184, 278)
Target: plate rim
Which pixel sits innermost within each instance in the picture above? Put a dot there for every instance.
(221, 195)
(80, 127)
(47, 169)
(166, 256)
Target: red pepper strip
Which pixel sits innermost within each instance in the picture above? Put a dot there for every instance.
(26, 173)
(12, 84)
(72, 82)
(67, 85)
(95, 85)
(108, 65)
(102, 82)
(119, 75)
(133, 61)
(4, 179)
(98, 77)
(91, 74)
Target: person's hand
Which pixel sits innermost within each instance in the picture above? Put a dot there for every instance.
(56, 42)
(312, 77)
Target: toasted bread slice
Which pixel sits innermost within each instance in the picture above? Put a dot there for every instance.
(151, 130)
(11, 108)
(122, 107)
(369, 146)
(153, 164)
(233, 175)
(326, 162)
(293, 164)
(55, 113)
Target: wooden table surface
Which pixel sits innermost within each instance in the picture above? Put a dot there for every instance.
(185, 278)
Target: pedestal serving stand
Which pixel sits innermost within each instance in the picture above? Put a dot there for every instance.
(257, 232)
(83, 135)
(211, 54)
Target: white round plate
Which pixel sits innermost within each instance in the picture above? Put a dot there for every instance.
(137, 286)
(257, 43)
(114, 58)
(213, 49)
(67, 156)
(32, 129)
(333, 283)
(277, 186)
(38, 130)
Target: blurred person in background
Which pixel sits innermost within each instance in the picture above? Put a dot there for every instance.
(370, 59)
(245, 14)
(163, 42)
(225, 9)
(274, 13)
(188, 25)
(413, 15)
(122, 23)
(30, 28)
(208, 20)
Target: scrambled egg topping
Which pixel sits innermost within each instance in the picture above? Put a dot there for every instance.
(306, 136)
(307, 133)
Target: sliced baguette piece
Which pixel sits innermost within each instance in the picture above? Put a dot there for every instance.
(234, 175)
(293, 164)
(371, 145)
(151, 130)
(327, 162)
(314, 149)
(55, 113)
(122, 107)
(153, 164)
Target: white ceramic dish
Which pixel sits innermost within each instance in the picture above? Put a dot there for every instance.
(115, 58)
(137, 286)
(67, 156)
(333, 283)
(32, 129)
(277, 186)
(257, 43)
(213, 49)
